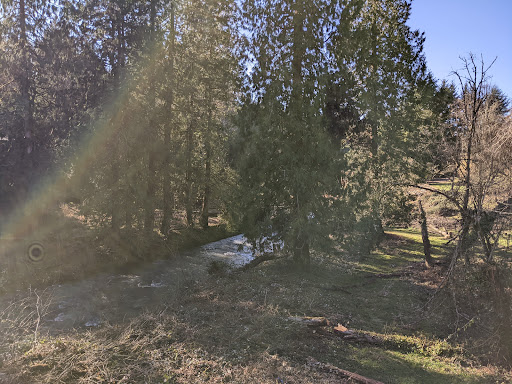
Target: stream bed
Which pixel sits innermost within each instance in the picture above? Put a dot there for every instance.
(117, 297)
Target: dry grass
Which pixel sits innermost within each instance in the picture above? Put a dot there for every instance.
(20, 321)
(236, 327)
(154, 348)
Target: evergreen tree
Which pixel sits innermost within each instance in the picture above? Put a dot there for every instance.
(286, 170)
(21, 24)
(380, 82)
(202, 56)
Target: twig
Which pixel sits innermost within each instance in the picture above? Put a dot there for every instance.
(38, 317)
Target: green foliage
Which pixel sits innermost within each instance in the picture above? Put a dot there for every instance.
(288, 182)
(398, 211)
(336, 128)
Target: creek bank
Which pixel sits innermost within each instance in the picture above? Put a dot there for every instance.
(73, 252)
(115, 297)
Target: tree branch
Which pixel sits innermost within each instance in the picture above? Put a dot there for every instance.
(450, 198)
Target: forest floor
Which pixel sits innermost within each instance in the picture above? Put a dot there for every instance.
(274, 324)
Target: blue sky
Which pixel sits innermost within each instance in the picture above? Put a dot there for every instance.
(454, 28)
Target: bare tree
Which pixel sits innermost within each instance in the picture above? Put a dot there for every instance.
(481, 158)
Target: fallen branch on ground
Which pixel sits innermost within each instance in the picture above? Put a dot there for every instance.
(341, 372)
(260, 259)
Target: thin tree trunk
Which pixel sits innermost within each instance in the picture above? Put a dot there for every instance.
(301, 252)
(149, 202)
(471, 116)
(207, 188)
(378, 228)
(115, 204)
(149, 208)
(28, 146)
(461, 248)
(188, 164)
(208, 166)
(429, 261)
(168, 197)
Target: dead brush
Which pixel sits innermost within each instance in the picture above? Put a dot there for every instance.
(20, 321)
(126, 354)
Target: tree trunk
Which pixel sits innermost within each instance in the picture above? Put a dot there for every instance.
(207, 170)
(301, 254)
(149, 208)
(188, 164)
(117, 195)
(207, 188)
(429, 261)
(27, 148)
(461, 248)
(168, 198)
(115, 206)
(373, 118)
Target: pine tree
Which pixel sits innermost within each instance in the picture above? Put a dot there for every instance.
(22, 23)
(203, 58)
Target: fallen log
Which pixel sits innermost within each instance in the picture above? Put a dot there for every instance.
(341, 372)
(258, 260)
(348, 334)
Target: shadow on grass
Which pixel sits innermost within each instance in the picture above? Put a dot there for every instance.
(237, 328)
(254, 323)
(246, 316)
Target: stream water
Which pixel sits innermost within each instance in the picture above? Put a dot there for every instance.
(121, 296)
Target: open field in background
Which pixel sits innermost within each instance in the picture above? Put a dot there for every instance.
(242, 327)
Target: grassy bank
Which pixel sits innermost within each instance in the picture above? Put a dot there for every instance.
(245, 327)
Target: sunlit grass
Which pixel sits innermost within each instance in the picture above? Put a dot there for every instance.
(443, 185)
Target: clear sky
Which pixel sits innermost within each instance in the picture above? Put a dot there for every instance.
(454, 28)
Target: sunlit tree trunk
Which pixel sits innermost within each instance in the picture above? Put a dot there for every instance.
(149, 207)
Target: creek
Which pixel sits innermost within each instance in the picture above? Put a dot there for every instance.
(117, 297)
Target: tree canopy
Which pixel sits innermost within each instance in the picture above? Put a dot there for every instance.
(305, 121)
